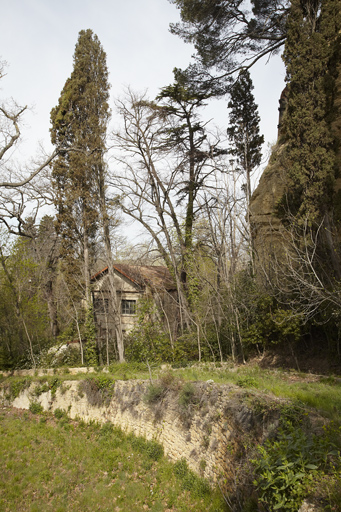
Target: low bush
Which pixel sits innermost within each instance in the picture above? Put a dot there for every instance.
(15, 385)
(188, 396)
(99, 390)
(50, 384)
(59, 413)
(154, 393)
(187, 403)
(287, 466)
(36, 408)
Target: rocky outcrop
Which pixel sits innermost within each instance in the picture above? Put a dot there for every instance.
(267, 229)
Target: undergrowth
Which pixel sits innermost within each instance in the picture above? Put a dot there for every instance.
(286, 467)
(99, 389)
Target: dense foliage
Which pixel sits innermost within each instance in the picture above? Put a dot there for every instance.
(79, 124)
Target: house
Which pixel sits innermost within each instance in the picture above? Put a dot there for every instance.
(133, 283)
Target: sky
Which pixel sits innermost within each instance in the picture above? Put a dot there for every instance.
(38, 37)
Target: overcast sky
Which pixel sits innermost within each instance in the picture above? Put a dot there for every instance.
(38, 37)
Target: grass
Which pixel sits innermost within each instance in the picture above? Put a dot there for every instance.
(322, 394)
(55, 464)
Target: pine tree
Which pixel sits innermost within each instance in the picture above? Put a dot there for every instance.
(243, 131)
(79, 124)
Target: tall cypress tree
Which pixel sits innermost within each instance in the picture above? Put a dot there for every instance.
(312, 48)
(243, 131)
(79, 124)
(310, 155)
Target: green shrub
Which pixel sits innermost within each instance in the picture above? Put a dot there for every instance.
(287, 466)
(50, 384)
(36, 408)
(99, 390)
(188, 396)
(15, 386)
(154, 393)
(59, 413)
(247, 382)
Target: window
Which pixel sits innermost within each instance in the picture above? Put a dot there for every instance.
(128, 307)
(101, 305)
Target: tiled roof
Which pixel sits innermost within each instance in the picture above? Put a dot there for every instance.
(155, 276)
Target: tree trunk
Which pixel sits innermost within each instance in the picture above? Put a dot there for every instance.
(86, 269)
(52, 308)
(114, 306)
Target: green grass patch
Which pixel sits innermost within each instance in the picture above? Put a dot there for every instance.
(133, 370)
(323, 394)
(52, 465)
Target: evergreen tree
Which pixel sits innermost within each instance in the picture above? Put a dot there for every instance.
(187, 136)
(312, 48)
(228, 35)
(79, 124)
(310, 152)
(243, 131)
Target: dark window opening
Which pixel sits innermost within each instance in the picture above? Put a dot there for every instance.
(101, 305)
(128, 307)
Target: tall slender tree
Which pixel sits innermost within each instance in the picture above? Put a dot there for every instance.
(243, 132)
(79, 126)
(312, 58)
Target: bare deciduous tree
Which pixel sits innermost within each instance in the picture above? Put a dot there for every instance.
(165, 160)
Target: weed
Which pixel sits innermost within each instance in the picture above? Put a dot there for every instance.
(59, 413)
(151, 448)
(189, 480)
(154, 393)
(157, 391)
(36, 408)
(206, 441)
(247, 382)
(287, 466)
(170, 381)
(16, 385)
(188, 401)
(99, 390)
(131, 370)
(187, 396)
(181, 468)
(48, 384)
(202, 465)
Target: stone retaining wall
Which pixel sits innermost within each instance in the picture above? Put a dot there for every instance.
(207, 434)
